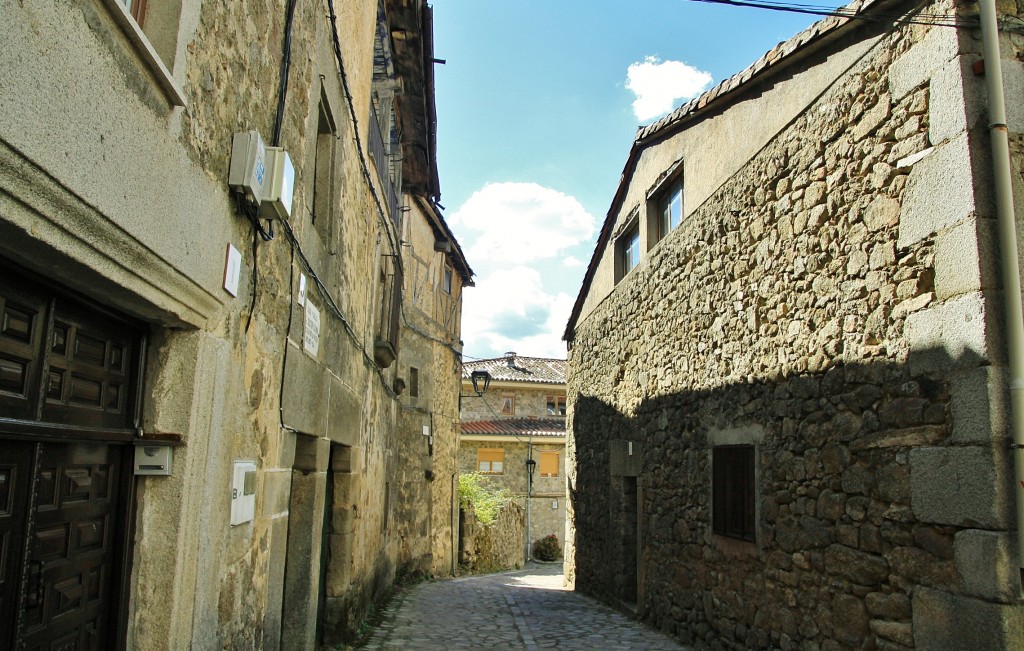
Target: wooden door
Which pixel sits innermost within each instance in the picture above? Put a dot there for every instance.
(67, 381)
(72, 543)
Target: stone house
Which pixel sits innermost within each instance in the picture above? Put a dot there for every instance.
(207, 433)
(788, 404)
(521, 416)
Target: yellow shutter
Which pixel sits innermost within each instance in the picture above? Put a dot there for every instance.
(549, 464)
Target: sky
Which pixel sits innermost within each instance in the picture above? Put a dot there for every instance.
(538, 102)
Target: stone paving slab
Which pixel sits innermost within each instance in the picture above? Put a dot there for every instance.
(526, 609)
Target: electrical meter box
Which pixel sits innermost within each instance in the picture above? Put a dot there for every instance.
(248, 170)
(243, 492)
(279, 186)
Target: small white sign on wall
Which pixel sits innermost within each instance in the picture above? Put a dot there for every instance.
(243, 492)
(311, 331)
(232, 270)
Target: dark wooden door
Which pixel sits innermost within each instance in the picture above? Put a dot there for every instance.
(67, 377)
(16, 466)
(71, 548)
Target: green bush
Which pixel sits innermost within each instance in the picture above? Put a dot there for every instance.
(486, 499)
(547, 548)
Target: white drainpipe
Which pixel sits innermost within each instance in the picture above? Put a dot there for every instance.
(1009, 259)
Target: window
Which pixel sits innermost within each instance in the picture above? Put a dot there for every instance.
(549, 463)
(627, 251)
(732, 499)
(137, 8)
(414, 381)
(490, 461)
(323, 172)
(556, 405)
(152, 29)
(447, 286)
(670, 208)
(508, 404)
(385, 344)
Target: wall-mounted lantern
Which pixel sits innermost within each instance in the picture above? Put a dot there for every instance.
(481, 380)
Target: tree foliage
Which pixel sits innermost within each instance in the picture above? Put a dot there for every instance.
(487, 500)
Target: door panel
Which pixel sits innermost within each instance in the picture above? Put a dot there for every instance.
(15, 471)
(71, 547)
(68, 372)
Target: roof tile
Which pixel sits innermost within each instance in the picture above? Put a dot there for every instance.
(540, 427)
(517, 368)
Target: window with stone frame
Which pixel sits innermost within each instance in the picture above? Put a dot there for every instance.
(507, 405)
(385, 343)
(670, 208)
(414, 382)
(733, 491)
(627, 250)
(152, 28)
(137, 9)
(323, 172)
(556, 405)
(490, 461)
(549, 463)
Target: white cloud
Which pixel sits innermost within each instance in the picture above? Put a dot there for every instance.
(510, 310)
(525, 242)
(513, 223)
(658, 84)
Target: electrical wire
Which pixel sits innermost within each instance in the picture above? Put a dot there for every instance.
(333, 308)
(364, 166)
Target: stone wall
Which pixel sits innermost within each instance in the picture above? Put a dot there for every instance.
(544, 520)
(830, 304)
(113, 174)
(492, 547)
(529, 402)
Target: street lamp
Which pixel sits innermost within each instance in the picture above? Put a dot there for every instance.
(478, 377)
(481, 380)
(531, 465)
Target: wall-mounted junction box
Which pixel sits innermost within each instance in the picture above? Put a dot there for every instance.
(248, 170)
(153, 460)
(279, 188)
(243, 492)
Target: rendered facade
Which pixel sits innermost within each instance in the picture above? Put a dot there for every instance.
(788, 402)
(147, 303)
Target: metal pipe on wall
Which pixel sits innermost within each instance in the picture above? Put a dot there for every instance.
(1009, 258)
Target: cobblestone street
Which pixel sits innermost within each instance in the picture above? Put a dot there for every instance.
(525, 609)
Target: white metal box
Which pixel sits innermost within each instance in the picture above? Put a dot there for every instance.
(279, 187)
(248, 170)
(243, 492)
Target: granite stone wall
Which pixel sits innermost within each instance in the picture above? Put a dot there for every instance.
(495, 546)
(831, 306)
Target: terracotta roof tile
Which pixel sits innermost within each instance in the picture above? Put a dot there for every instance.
(539, 427)
(517, 368)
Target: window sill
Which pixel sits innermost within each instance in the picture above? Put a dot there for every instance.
(734, 547)
(144, 48)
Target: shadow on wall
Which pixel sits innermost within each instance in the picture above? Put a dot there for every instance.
(863, 477)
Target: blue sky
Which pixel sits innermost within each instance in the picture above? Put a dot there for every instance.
(536, 115)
